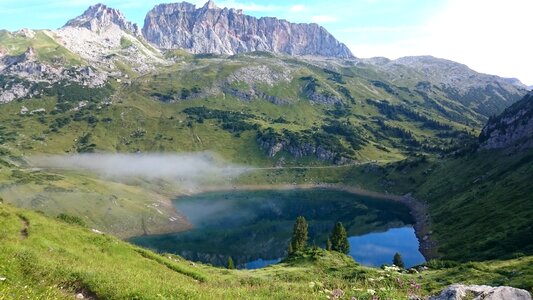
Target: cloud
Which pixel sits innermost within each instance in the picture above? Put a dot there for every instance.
(248, 6)
(297, 8)
(323, 19)
(382, 29)
(183, 167)
(490, 36)
(487, 35)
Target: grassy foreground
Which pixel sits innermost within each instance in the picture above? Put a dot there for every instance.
(44, 258)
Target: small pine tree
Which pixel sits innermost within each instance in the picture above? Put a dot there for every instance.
(398, 261)
(299, 236)
(339, 239)
(328, 244)
(231, 264)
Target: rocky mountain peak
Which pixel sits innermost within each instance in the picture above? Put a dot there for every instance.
(210, 29)
(210, 5)
(100, 17)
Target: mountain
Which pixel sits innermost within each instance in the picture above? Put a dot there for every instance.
(303, 112)
(100, 17)
(102, 36)
(485, 94)
(512, 128)
(210, 29)
(33, 62)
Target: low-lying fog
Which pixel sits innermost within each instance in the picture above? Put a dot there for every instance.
(182, 167)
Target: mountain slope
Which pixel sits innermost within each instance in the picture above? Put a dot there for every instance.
(479, 202)
(210, 29)
(485, 94)
(514, 127)
(36, 64)
(103, 37)
(275, 109)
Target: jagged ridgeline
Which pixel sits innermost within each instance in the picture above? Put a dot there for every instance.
(211, 29)
(255, 90)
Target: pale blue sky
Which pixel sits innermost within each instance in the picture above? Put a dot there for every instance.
(484, 34)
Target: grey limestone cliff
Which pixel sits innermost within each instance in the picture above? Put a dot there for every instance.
(210, 29)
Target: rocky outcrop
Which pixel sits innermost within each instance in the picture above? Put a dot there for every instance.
(481, 292)
(210, 29)
(252, 78)
(25, 76)
(300, 146)
(513, 128)
(100, 17)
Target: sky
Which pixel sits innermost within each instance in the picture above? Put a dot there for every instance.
(490, 36)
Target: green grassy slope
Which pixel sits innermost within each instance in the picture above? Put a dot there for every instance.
(47, 48)
(42, 258)
(485, 199)
(372, 120)
(480, 204)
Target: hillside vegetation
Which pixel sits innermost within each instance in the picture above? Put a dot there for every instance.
(46, 258)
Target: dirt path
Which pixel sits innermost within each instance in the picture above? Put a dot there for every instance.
(24, 230)
(315, 167)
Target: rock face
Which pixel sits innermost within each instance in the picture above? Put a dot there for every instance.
(25, 76)
(513, 128)
(481, 292)
(99, 17)
(299, 146)
(210, 29)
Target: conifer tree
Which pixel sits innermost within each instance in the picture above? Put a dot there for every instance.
(328, 244)
(231, 264)
(339, 239)
(299, 235)
(398, 261)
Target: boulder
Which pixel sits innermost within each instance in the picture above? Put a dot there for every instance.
(481, 292)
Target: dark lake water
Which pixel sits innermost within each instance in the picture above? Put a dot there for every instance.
(254, 227)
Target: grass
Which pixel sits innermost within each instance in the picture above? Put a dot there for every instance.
(488, 198)
(122, 208)
(44, 44)
(57, 260)
(125, 42)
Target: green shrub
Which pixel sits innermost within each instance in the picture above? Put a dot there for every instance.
(71, 219)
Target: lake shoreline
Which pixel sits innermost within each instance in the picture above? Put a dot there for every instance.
(418, 210)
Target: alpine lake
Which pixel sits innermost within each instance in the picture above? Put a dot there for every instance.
(254, 227)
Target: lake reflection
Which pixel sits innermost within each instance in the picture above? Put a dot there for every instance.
(254, 227)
